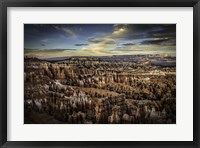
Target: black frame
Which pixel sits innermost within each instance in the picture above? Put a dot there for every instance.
(99, 3)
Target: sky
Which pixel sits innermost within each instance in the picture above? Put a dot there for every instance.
(59, 40)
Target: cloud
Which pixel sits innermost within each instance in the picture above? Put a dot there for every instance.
(147, 38)
(167, 31)
(159, 41)
(66, 30)
(141, 31)
(42, 44)
(109, 41)
(147, 34)
(44, 40)
(55, 50)
(69, 32)
(95, 40)
(81, 44)
(128, 44)
(27, 49)
(47, 50)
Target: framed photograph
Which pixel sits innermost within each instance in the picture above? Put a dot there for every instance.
(99, 73)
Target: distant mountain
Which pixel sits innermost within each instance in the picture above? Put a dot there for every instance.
(158, 60)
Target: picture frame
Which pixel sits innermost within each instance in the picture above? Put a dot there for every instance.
(99, 3)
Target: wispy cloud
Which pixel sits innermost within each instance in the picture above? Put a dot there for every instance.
(44, 40)
(66, 30)
(48, 50)
(81, 44)
(42, 44)
(95, 40)
(128, 44)
(56, 50)
(159, 41)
